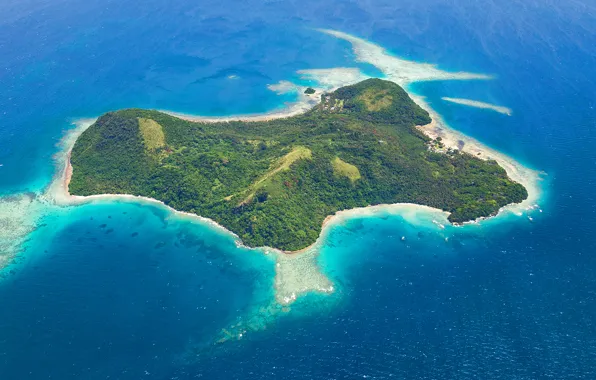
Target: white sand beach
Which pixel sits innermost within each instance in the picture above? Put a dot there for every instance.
(303, 103)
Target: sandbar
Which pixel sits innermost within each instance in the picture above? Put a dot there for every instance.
(478, 104)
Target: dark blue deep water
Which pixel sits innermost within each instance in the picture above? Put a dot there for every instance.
(125, 291)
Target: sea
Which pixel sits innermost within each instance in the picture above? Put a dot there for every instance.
(124, 290)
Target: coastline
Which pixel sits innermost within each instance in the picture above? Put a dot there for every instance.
(303, 103)
(408, 211)
(297, 271)
(60, 194)
(454, 139)
(404, 73)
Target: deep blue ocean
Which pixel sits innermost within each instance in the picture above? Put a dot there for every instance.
(127, 291)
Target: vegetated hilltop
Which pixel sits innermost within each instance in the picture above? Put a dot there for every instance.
(273, 183)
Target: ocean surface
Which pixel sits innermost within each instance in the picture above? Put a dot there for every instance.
(117, 290)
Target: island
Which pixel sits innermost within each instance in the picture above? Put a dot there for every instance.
(273, 183)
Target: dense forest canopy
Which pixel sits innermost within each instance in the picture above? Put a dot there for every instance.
(273, 183)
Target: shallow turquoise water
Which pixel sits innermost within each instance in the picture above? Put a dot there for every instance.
(126, 291)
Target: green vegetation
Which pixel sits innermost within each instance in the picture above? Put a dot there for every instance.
(152, 133)
(375, 99)
(309, 91)
(342, 168)
(283, 163)
(273, 183)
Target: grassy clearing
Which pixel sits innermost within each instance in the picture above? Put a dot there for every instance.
(376, 100)
(284, 163)
(344, 169)
(152, 133)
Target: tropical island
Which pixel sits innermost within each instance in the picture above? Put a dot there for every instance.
(273, 183)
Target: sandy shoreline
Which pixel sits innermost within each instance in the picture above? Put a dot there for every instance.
(62, 197)
(58, 191)
(303, 104)
(406, 210)
(297, 271)
(60, 194)
(519, 173)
